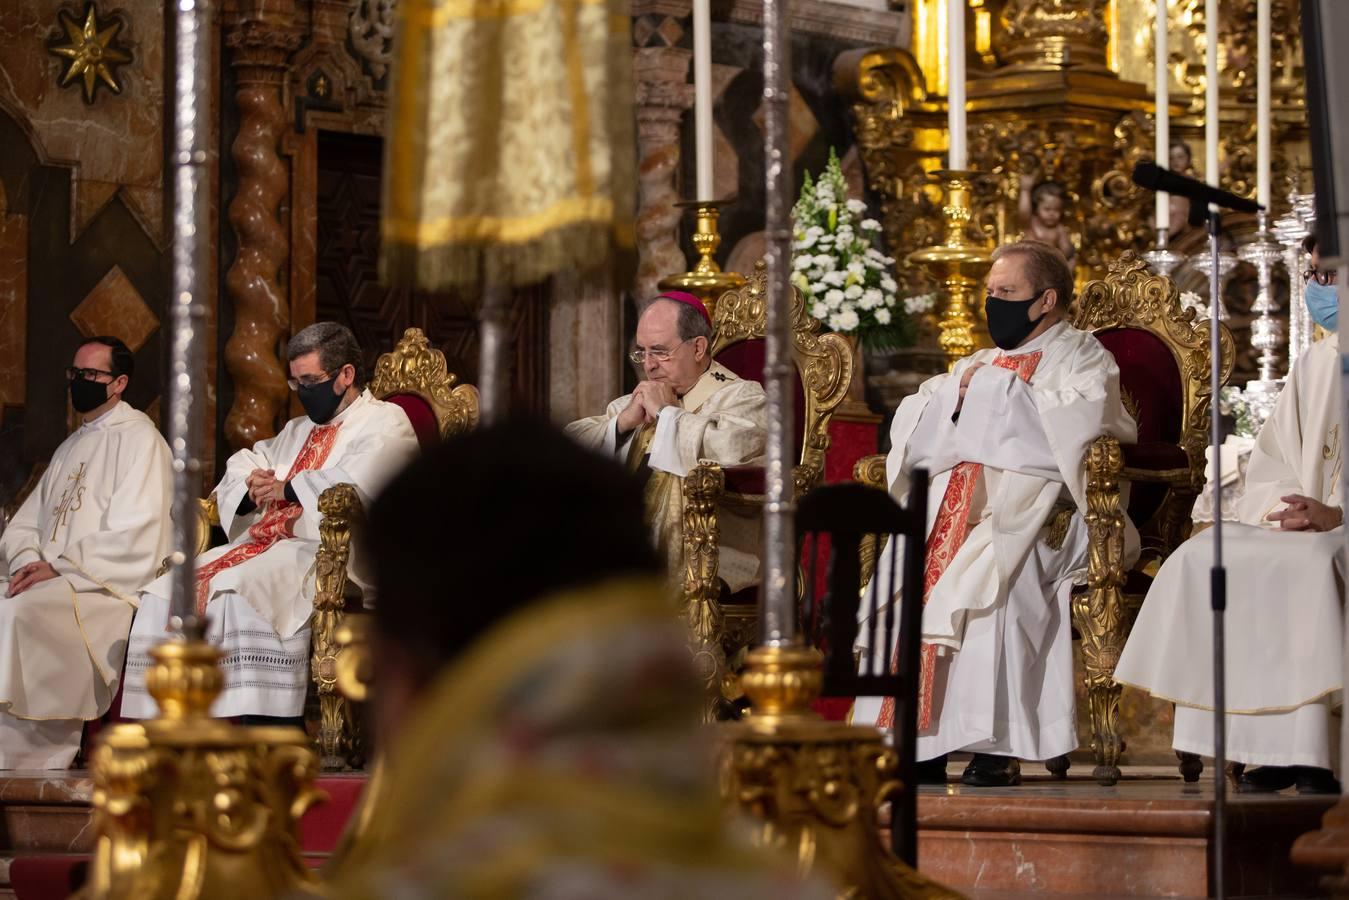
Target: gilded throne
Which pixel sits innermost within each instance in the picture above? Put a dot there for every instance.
(1163, 356)
(722, 626)
(413, 376)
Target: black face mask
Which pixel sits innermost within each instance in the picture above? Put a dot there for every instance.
(86, 395)
(1009, 320)
(320, 402)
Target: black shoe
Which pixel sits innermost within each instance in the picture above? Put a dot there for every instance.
(931, 771)
(987, 770)
(1315, 781)
(1267, 779)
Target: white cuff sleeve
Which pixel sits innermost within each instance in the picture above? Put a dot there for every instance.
(665, 443)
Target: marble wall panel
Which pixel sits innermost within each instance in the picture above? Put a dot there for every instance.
(117, 141)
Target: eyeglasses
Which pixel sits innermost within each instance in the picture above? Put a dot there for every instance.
(640, 356)
(307, 381)
(1322, 276)
(73, 372)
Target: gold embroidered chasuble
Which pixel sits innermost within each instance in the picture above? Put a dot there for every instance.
(722, 419)
(100, 517)
(511, 154)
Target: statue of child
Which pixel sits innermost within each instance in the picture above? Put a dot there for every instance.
(1041, 209)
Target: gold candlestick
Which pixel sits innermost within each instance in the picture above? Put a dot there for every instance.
(188, 806)
(707, 281)
(959, 265)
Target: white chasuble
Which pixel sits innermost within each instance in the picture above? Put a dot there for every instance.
(998, 653)
(100, 517)
(257, 591)
(722, 419)
(1284, 600)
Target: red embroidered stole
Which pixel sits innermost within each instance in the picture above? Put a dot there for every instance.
(948, 534)
(278, 517)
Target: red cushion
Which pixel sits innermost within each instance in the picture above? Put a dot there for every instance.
(1148, 373)
(744, 479)
(745, 358)
(1154, 456)
(45, 877)
(421, 415)
(322, 825)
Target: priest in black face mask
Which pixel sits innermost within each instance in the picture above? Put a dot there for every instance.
(258, 590)
(1003, 436)
(92, 531)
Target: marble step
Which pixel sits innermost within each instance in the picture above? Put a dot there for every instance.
(1148, 837)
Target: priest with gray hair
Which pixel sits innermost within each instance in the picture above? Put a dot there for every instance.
(257, 591)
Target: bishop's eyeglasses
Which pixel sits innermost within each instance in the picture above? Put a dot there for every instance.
(640, 356)
(1322, 276)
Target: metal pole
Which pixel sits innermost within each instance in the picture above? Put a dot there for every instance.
(494, 369)
(187, 303)
(777, 613)
(1218, 577)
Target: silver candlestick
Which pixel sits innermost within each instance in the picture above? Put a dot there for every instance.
(1266, 334)
(1291, 229)
(1162, 259)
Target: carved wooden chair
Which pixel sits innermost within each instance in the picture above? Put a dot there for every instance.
(1164, 360)
(413, 376)
(722, 627)
(1163, 356)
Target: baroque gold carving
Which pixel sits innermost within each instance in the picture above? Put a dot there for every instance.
(823, 360)
(415, 367)
(1039, 34)
(1131, 296)
(1101, 615)
(260, 42)
(815, 788)
(338, 736)
(703, 488)
(187, 806)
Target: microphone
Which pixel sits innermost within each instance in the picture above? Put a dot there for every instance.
(1155, 178)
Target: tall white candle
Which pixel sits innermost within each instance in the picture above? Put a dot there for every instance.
(702, 96)
(1211, 91)
(1162, 99)
(955, 30)
(1262, 104)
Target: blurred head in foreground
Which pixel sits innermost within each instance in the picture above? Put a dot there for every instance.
(480, 528)
(534, 692)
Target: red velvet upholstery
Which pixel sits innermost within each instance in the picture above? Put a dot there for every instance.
(420, 414)
(1149, 374)
(745, 358)
(321, 826)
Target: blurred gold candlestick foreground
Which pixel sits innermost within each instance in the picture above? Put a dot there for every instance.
(958, 265)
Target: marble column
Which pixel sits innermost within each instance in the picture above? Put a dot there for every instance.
(585, 331)
(260, 38)
(663, 95)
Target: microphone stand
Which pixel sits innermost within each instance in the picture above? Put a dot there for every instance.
(1218, 575)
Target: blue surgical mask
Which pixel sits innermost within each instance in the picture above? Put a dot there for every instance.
(1323, 303)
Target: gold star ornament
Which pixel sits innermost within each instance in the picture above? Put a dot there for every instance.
(93, 55)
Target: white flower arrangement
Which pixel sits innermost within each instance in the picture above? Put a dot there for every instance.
(1191, 300)
(847, 282)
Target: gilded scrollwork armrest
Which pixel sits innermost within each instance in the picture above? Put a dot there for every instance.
(870, 470)
(1101, 614)
(339, 508)
(703, 490)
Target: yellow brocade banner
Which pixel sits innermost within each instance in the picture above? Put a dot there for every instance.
(511, 149)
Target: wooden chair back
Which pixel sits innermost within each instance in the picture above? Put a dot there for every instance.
(856, 520)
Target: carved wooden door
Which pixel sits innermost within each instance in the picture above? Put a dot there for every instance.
(348, 288)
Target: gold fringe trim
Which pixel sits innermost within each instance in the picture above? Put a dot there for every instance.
(469, 264)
